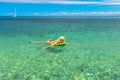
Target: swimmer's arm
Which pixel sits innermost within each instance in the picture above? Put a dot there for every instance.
(49, 46)
(38, 42)
(72, 44)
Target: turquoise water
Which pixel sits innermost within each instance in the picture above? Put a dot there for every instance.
(96, 58)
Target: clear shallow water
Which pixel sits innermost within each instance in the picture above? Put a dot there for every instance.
(97, 57)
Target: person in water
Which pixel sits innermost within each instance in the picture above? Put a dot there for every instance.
(60, 40)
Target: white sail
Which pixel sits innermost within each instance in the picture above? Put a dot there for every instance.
(15, 14)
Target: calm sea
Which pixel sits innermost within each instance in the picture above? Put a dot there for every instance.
(97, 57)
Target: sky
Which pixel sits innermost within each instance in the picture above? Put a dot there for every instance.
(60, 7)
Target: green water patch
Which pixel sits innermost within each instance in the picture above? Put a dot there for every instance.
(21, 60)
(96, 57)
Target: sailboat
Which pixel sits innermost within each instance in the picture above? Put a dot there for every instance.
(15, 14)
